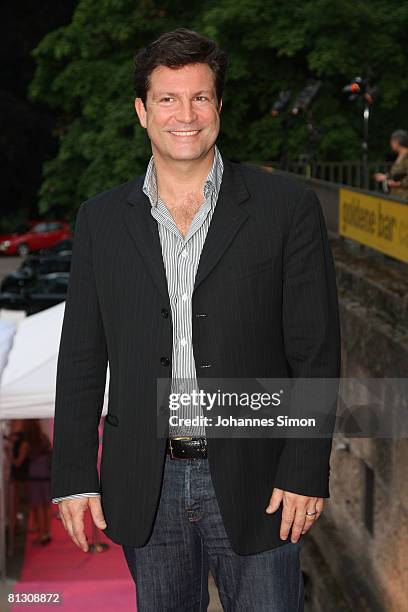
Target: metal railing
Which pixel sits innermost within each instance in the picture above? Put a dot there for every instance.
(350, 173)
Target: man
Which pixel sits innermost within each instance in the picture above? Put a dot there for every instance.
(395, 181)
(200, 268)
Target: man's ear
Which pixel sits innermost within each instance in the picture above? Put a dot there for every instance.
(220, 106)
(140, 111)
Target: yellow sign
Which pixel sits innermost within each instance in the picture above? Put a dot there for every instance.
(379, 223)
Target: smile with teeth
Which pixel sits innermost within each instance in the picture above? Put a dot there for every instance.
(192, 133)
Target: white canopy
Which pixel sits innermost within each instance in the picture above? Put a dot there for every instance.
(7, 331)
(27, 389)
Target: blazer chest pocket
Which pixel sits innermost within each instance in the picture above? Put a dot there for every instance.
(112, 419)
(252, 268)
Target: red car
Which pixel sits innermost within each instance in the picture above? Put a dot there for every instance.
(34, 236)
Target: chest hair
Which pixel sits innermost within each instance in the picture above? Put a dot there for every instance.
(184, 210)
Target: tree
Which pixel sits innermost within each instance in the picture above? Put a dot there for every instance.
(26, 127)
(84, 71)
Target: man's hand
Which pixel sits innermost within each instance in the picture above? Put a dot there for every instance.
(380, 177)
(294, 512)
(72, 515)
(392, 183)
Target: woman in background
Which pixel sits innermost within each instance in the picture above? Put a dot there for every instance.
(39, 452)
(16, 449)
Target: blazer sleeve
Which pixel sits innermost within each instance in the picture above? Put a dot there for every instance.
(81, 375)
(311, 328)
(57, 500)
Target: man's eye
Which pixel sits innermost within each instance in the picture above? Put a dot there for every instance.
(166, 99)
(201, 98)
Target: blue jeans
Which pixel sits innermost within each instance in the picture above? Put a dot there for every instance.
(188, 539)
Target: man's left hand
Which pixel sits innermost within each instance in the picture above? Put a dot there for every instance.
(294, 512)
(392, 183)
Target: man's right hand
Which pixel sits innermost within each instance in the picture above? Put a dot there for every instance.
(72, 515)
(380, 177)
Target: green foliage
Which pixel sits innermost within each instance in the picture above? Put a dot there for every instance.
(84, 71)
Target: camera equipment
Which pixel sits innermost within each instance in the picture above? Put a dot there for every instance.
(305, 97)
(302, 103)
(354, 88)
(281, 103)
(396, 176)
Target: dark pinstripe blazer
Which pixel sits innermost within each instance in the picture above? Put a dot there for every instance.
(266, 282)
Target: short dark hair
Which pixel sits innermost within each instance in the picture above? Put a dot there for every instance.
(174, 50)
(401, 136)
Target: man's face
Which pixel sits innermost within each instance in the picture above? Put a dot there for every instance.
(181, 114)
(394, 145)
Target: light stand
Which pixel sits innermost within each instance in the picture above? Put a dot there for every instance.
(359, 89)
(364, 145)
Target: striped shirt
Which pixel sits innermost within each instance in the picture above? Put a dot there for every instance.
(181, 256)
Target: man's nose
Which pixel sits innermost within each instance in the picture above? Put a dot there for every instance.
(186, 112)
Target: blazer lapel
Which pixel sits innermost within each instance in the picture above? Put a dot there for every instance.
(227, 219)
(144, 232)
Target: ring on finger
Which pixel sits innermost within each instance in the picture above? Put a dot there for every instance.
(311, 514)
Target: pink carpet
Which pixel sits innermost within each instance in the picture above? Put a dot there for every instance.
(85, 581)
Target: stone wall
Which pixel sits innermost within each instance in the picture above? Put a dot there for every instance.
(356, 556)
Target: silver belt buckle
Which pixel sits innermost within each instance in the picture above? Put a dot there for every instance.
(177, 438)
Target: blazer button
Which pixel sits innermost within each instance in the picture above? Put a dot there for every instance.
(165, 361)
(112, 419)
(164, 313)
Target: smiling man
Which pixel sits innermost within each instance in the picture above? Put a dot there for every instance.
(201, 267)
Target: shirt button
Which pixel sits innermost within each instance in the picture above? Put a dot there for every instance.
(183, 342)
(184, 296)
(184, 253)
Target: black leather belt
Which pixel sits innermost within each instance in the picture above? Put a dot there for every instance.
(186, 447)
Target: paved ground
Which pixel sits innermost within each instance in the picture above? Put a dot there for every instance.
(14, 566)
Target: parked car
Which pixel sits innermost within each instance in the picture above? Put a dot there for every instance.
(63, 248)
(40, 281)
(49, 291)
(34, 268)
(33, 237)
(36, 294)
(54, 259)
